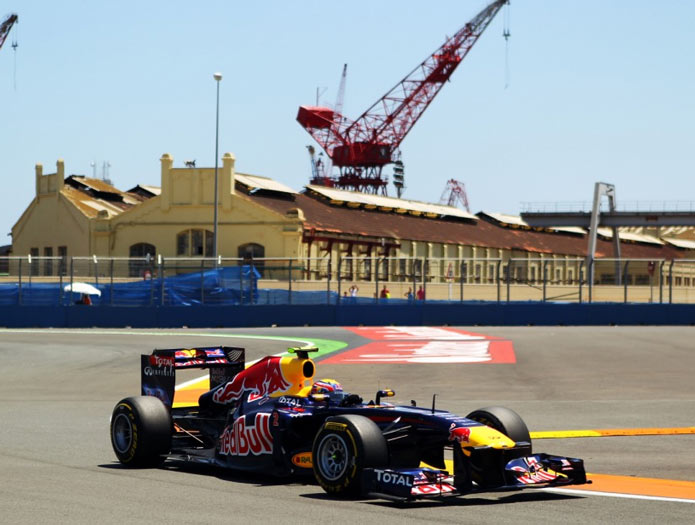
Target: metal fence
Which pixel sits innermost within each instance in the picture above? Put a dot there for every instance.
(348, 280)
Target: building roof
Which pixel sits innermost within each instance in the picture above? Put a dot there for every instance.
(681, 243)
(145, 190)
(355, 199)
(323, 219)
(516, 221)
(340, 214)
(629, 236)
(92, 196)
(255, 182)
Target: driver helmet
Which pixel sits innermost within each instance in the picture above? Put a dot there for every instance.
(326, 386)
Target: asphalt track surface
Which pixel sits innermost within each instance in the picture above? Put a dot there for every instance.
(58, 388)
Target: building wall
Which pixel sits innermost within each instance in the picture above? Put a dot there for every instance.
(51, 220)
(185, 203)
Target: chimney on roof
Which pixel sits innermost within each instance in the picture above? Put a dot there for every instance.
(165, 196)
(227, 180)
(39, 174)
(51, 183)
(60, 175)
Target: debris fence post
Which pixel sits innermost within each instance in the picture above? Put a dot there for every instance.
(625, 281)
(289, 281)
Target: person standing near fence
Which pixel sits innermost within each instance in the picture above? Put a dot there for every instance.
(409, 294)
(421, 293)
(353, 293)
(385, 293)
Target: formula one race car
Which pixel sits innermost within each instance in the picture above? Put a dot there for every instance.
(273, 418)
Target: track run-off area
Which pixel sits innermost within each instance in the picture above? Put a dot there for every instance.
(621, 398)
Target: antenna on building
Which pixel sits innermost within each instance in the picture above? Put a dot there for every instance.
(105, 172)
(93, 164)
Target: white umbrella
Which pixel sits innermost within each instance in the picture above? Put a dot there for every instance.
(84, 288)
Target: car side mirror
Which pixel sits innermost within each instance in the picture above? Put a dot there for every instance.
(387, 392)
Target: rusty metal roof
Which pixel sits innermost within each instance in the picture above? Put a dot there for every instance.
(368, 201)
(92, 196)
(256, 182)
(325, 219)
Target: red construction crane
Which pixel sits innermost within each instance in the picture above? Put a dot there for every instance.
(5, 28)
(361, 148)
(338, 110)
(455, 193)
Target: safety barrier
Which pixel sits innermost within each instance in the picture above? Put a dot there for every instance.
(417, 314)
(150, 281)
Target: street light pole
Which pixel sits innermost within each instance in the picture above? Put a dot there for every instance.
(217, 77)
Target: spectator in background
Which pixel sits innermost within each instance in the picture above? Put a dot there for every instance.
(353, 293)
(409, 294)
(421, 293)
(85, 299)
(385, 293)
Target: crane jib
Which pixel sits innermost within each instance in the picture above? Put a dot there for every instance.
(6, 26)
(372, 140)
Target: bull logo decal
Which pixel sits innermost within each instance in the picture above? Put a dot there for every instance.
(459, 434)
(262, 379)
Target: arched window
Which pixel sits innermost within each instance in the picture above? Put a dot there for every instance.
(139, 268)
(253, 251)
(194, 243)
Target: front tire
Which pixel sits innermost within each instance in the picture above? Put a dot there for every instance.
(140, 431)
(343, 447)
(503, 420)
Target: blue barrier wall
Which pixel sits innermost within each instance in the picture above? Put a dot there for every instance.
(433, 314)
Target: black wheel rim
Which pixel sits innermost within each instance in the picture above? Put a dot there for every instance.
(122, 433)
(332, 457)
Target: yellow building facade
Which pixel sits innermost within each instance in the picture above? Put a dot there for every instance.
(337, 234)
(177, 221)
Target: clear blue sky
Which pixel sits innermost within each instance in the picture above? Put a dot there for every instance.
(600, 90)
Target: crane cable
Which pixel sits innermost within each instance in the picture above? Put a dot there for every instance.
(506, 34)
(14, 52)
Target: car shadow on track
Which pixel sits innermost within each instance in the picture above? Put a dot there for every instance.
(467, 501)
(234, 476)
(474, 500)
(252, 478)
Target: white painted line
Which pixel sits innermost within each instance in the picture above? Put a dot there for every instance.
(173, 334)
(89, 331)
(618, 495)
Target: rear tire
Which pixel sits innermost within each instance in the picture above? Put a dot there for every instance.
(140, 431)
(503, 420)
(343, 447)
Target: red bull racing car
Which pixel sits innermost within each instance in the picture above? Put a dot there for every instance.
(273, 418)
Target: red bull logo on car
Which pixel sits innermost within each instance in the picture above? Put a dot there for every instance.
(262, 379)
(459, 434)
(242, 440)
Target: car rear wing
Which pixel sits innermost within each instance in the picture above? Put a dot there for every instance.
(158, 369)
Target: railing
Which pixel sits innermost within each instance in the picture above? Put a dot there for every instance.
(149, 281)
(586, 206)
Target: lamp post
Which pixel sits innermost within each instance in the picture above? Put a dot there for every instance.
(217, 77)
